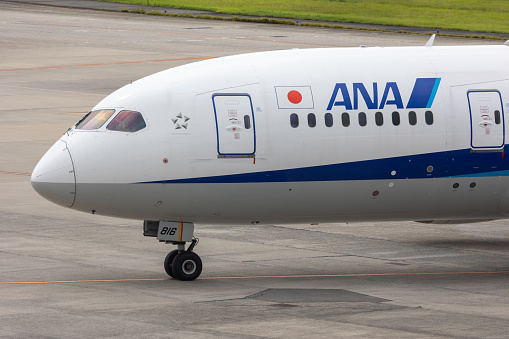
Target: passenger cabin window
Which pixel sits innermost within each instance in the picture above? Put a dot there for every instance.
(412, 118)
(294, 120)
(311, 120)
(379, 118)
(497, 117)
(95, 119)
(127, 121)
(345, 119)
(328, 120)
(428, 117)
(247, 122)
(363, 121)
(396, 119)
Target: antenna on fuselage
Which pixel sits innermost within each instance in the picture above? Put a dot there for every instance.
(430, 41)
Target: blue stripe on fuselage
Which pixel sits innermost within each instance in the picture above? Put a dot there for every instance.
(504, 173)
(423, 93)
(433, 93)
(444, 164)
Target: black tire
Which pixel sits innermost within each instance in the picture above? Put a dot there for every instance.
(187, 266)
(168, 261)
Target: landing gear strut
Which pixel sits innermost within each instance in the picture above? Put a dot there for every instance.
(181, 264)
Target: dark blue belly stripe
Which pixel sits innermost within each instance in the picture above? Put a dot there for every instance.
(430, 165)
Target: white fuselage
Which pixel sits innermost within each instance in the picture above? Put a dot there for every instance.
(296, 136)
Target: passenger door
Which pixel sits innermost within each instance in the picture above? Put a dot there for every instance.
(235, 126)
(486, 119)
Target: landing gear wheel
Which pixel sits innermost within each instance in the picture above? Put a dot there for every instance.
(168, 261)
(186, 266)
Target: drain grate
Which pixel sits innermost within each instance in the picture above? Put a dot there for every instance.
(297, 295)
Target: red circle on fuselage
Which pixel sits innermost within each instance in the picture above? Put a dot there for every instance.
(294, 97)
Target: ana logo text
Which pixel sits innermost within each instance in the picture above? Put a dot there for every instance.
(422, 96)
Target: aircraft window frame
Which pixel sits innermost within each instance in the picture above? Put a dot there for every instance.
(363, 119)
(329, 119)
(498, 119)
(294, 120)
(247, 121)
(379, 119)
(311, 120)
(94, 119)
(345, 119)
(412, 118)
(396, 119)
(428, 117)
(127, 121)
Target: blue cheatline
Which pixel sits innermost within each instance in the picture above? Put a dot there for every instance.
(458, 163)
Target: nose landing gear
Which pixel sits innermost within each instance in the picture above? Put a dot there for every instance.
(168, 262)
(181, 264)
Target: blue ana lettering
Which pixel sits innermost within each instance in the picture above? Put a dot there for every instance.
(346, 97)
(391, 96)
(422, 95)
(392, 86)
(359, 88)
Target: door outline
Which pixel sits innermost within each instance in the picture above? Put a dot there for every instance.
(253, 125)
(472, 121)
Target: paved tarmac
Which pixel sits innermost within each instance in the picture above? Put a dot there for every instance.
(65, 274)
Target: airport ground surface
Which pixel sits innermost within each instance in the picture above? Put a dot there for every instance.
(65, 274)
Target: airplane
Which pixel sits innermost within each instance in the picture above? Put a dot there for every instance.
(293, 136)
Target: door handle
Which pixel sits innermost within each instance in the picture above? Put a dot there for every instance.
(233, 129)
(485, 123)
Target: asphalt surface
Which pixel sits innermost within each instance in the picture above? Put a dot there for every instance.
(65, 274)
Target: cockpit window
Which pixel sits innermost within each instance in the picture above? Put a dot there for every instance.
(95, 119)
(127, 121)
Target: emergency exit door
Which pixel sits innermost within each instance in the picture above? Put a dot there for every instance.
(235, 124)
(486, 119)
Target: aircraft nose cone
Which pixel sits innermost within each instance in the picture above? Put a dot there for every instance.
(53, 177)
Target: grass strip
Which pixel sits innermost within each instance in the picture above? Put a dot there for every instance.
(296, 23)
(490, 16)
